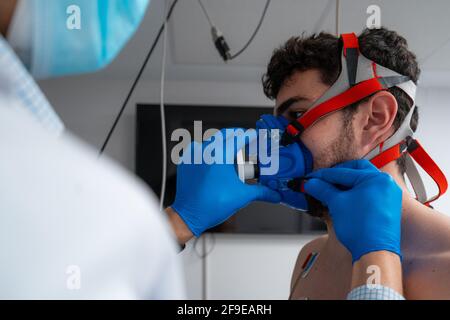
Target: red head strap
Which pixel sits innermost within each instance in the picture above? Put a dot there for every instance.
(358, 79)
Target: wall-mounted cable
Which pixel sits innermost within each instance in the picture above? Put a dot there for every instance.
(136, 80)
(163, 117)
(338, 6)
(219, 39)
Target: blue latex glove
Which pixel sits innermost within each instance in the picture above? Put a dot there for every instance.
(208, 194)
(295, 161)
(364, 203)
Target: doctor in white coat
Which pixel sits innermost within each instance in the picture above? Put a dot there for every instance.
(72, 226)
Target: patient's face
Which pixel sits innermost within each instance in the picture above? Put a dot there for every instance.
(330, 139)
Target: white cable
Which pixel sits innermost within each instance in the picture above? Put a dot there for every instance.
(337, 17)
(206, 13)
(163, 115)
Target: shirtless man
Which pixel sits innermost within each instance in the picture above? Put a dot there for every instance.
(298, 74)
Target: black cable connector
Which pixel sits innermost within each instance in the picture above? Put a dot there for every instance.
(219, 40)
(221, 44)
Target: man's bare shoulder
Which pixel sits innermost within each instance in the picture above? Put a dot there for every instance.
(315, 245)
(428, 277)
(426, 262)
(426, 232)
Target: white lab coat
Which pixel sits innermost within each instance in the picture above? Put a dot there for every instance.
(73, 226)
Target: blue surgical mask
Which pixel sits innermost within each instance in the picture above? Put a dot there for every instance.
(65, 37)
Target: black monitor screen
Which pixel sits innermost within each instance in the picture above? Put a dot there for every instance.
(258, 217)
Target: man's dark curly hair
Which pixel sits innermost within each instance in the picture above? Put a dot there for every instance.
(323, 52)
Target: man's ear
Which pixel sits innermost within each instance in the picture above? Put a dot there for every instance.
(376, 124)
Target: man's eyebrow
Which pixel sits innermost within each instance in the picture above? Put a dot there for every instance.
(289, 102)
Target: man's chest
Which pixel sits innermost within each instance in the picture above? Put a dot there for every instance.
(324, 280)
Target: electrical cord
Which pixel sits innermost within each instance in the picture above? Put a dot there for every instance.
(163, 117)
(219, 39)
(136, 80)
(254, 33)
(206, 13)
(202, 256)
(204, 253)
(338, 6)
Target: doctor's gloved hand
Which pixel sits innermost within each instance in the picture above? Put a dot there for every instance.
(210, 193)
(364, 203)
